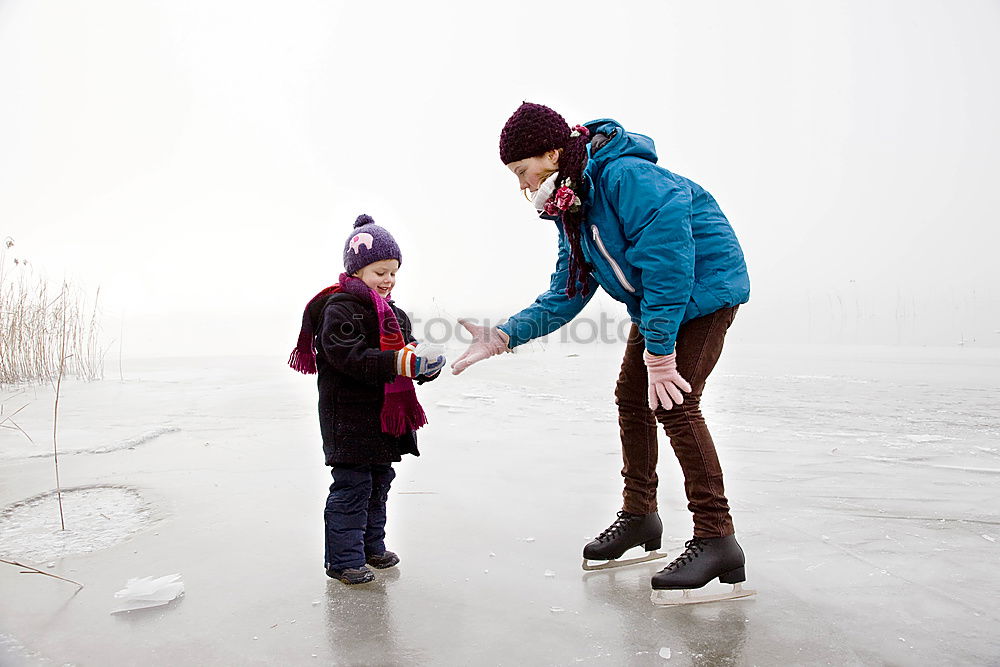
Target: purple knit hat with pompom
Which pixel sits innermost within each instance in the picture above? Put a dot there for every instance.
(532, 130)
(369, 243)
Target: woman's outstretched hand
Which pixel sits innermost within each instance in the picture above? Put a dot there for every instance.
(665, 383)
(486, 342)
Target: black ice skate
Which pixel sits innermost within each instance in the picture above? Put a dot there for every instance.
(703, 559)
(351, 575)
(628, 530)
(383, 560)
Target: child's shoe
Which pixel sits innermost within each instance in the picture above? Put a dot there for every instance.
(351, 575)
(383, 560)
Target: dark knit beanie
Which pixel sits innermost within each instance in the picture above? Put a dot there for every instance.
(532, 130)
(369, 243)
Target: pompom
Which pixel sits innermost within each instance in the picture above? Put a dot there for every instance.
(363, 219)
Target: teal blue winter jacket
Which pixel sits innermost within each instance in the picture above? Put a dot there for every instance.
(657, 242)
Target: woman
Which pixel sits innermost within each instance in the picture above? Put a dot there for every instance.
(660, 244)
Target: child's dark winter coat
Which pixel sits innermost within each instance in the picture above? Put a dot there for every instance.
(353, 372)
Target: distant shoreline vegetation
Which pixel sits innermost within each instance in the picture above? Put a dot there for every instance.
(41, 329)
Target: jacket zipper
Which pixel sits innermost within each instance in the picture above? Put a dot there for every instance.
(614, 265)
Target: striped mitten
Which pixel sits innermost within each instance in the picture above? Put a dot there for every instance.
(424, 359)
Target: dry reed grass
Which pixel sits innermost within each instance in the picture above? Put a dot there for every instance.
(37, 324)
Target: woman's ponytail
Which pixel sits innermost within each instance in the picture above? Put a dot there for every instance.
(572, 162)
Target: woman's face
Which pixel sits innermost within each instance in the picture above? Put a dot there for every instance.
(380, 275)
(531, 172)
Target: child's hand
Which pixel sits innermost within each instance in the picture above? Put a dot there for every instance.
(425, 359)
(430, 358)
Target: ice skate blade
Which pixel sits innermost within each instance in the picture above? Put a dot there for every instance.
(667, 598)
(613, 563)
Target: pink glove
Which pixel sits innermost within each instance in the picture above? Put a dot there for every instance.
(665, 383)
(487, 342)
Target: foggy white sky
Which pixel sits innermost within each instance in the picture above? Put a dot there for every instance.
(202, 162)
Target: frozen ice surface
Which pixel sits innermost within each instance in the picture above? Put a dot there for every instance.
(863, 484)
(92, 418)
(96, 517)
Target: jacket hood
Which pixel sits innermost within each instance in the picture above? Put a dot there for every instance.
(620, 144)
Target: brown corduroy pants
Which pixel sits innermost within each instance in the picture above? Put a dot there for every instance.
(698, 347)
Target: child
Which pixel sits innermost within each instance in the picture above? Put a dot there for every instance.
(362, 347)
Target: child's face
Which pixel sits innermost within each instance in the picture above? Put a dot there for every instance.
(380, 276)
